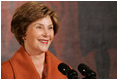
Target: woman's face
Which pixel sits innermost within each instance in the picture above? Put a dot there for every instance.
(39, 36)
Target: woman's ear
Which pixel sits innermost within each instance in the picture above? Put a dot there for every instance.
(24, 37)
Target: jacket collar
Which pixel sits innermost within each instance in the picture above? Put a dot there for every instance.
(24, 68)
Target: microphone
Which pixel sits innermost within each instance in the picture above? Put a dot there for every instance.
(66, 70)
(86, 71)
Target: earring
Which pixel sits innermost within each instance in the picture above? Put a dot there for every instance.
(23, 38)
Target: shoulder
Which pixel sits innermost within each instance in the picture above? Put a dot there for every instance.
(5, 63)
(52, 63)
(6, 70)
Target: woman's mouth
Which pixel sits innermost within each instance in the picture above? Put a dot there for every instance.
(43, 41)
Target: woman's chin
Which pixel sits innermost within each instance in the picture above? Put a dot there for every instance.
(44, 50)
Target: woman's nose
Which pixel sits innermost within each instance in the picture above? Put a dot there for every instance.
(46, 33)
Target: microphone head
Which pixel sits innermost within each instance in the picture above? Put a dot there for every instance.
(83, 69)
(63, 68)
(72, 74)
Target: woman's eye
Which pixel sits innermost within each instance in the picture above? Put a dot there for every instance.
(39, 27)
(50, 27)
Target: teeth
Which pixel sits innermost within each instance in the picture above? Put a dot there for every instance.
(44, 41)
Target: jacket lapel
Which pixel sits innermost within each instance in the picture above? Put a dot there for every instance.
(52, 67)
(23, 66)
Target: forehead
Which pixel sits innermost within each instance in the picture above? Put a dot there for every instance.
(44, 21)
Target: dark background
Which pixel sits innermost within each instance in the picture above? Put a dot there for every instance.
(87, 34)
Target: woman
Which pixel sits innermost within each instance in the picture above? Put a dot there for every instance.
(34, 26)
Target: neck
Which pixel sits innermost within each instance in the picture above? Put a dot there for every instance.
(39, 63)
(35, 55)
(38, 59)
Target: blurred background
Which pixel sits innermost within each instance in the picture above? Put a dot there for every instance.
(87, 34)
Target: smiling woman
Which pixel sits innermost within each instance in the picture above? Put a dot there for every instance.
(34, 26)
(39, 36)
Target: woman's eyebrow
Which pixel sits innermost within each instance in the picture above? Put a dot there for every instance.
(50, 25)
(37, 24)
(42, 24)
